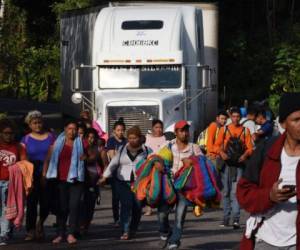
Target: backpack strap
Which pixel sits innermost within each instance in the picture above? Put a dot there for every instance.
(224, 135)
(121, 151)
(245, 121)
(217, 133)
(225, 131)
(169, 145)
(147, 151)
(243, 131)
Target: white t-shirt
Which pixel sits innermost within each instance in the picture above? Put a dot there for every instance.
(127, 166)
(155, 143)
(279, 226)
(249, 124)
(179, 155)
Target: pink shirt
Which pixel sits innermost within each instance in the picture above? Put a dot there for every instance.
(155, 143)
(100, 131)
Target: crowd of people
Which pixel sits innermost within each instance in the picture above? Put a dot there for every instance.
(257, 170)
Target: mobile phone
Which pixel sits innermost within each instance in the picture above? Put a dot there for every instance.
(291, 188)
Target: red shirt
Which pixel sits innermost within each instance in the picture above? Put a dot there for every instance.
(9, 155)
(64, 162)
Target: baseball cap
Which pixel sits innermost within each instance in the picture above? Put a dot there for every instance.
(181, 124)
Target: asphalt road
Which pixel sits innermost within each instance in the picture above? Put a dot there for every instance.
(199, 233)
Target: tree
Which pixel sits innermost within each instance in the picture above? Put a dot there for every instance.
(259, 54)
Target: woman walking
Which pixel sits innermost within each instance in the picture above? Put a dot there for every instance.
(10, 153)
(87, 118)
(155, 141)
(124, 164)
(65, 163)
(95, 161)
(113, 144)
(37, 144)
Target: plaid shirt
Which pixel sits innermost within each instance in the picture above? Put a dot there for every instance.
(179, 155)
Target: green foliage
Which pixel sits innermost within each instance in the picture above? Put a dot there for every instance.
(259, 59)
(286, 76)
(62, 6)
(3, 115)
(12, 43)
(28, 70)
(287, 69)
(40, 71)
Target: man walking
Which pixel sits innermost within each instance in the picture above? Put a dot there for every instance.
(273, 198)
(234, 146)
(212, 134)
(249, 120)
(181, 149)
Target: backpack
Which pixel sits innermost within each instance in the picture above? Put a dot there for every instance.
(235, 148)
(202, 139)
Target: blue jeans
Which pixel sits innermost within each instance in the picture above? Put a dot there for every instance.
(180, 213)
(163, 211)
(230, 203)
(131, 209)
(5, 224)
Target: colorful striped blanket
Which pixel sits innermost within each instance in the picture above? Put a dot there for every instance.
(153, 183)
(198, 182)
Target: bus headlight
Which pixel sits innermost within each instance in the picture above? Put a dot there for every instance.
(76, 98)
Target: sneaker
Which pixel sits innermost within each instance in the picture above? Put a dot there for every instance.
(30, 236)
(173, 246)
(3, 241)
(163, 242)
(236, 225)
(71, 239)
(225, 223)
(125, 236)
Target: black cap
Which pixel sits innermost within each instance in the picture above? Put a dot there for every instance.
(289, 103)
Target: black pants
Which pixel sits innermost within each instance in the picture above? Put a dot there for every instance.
(115, 199)
(88, 204)
(37, 197)
(69, 206)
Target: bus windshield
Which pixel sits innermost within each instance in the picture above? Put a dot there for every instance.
(152, 76)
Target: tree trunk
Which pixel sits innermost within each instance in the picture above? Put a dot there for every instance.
(49, 88)
(27, 86)
(17, 86)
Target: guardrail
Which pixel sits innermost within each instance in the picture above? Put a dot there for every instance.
(17, 106)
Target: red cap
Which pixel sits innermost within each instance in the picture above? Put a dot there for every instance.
(181, 124)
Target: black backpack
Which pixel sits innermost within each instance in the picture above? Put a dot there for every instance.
(235, 148)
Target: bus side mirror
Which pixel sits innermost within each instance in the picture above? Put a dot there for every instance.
(75, 79)
(204, 73)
